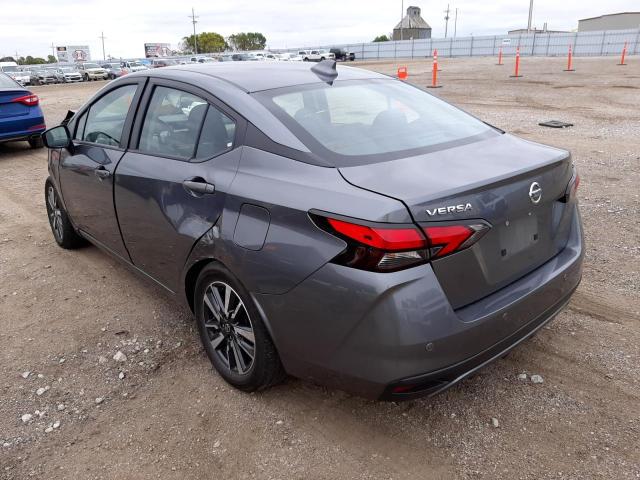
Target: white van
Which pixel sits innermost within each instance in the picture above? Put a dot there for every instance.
(12, 69)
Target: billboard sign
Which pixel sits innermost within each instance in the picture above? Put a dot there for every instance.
(79, 53)
(154, 50)
(62, 53)
(73, 53)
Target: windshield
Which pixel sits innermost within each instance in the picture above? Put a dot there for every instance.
(9, 68)
(372, 117)
(135, 64)
(91, 65)
(67, 69)
(7, 82)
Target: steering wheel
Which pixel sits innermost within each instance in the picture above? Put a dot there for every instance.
(93, 137)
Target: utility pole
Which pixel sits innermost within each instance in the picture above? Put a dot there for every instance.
(401, 18)
(102, 37)
(53, 51)
(194, 20)
(530, 15)
(446, 19)
(455, 25)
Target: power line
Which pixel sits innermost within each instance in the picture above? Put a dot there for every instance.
(446, 19)
(455, 25)
(102, 37)
(193, 18)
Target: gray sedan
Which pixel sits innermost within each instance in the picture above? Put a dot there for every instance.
(330, 223)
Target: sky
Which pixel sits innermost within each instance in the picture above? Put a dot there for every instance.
(30, 27)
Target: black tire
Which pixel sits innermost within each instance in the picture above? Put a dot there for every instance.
(322, 59)
(265, 368)
(36, 142)
(63, 232)
(305, 59)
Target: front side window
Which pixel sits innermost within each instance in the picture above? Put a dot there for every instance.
(374, 117)
(106, 118)
(172, 123)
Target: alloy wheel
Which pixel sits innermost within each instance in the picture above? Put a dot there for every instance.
(229, 327)
(55, 214)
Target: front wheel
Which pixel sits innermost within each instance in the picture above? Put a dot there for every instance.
(63, 231)
(232, 332)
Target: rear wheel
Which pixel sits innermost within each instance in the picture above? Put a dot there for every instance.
(36, 142)
(63, 232)
(232, 332)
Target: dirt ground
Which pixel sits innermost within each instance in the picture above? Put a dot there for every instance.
(63, 315)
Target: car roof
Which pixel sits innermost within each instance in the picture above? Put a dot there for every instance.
(257, 76)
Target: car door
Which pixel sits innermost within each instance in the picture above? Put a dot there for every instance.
(100, 136)
(170, 186)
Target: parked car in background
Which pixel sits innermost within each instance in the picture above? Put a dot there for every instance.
(92, 71)
(114, 70)
(316, 55)
(340, 54)
(12, 69)
(294, 57)
(203, 59)
(21, 117)
(46, 76)
(163, 62)
(133, 65)
(67, 75)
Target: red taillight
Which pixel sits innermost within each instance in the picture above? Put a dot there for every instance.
(576, 183)
(29, 100)
(388, 239)
(387, 248)
(444, 240)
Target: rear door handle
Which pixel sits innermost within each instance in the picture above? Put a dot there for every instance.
(198, 186)
(102, 172)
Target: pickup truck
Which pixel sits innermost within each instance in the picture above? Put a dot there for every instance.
(92, 71)
(316, 55)
(342, 54)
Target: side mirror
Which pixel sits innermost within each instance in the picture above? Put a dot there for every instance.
(57, 137)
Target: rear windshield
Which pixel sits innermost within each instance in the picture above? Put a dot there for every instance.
(379, 119)
(7, 82)
(9, 68)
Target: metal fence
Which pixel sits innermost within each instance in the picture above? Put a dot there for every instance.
(609, 42)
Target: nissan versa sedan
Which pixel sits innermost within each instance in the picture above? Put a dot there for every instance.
(334, 224)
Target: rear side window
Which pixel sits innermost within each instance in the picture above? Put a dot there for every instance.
(7, 82)
(106, 117)
(217, 134)
(172, 123)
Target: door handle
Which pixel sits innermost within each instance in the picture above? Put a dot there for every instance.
(102, 172)
(198, 186)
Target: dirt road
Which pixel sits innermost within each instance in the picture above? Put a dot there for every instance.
(164, 413)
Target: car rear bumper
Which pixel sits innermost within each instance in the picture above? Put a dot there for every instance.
(396, 336)
(22, 127)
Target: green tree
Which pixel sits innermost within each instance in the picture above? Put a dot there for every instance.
(381, 38)
(247, 41)
(51, 59)
(7, 59)
(208, 42)
(34, 60)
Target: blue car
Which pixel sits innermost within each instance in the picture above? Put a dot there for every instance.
(21, 117)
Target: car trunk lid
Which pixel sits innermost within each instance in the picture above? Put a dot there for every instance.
(488, 180)
(9, 108)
